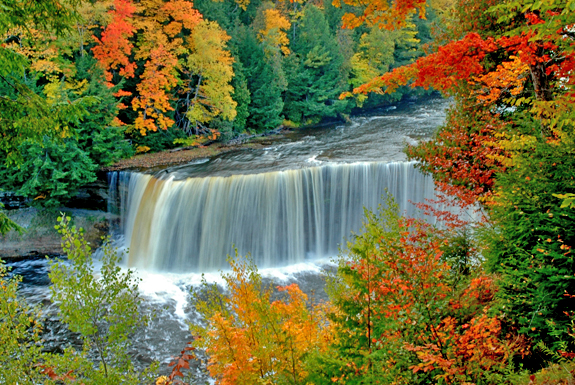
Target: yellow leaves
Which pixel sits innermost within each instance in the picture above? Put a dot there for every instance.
(382, 13)
(274, 31)
(509, 77)
(211, 63)
(252, 340)
(39, 47)
(243, 4)
(162, 380)
(557, 116)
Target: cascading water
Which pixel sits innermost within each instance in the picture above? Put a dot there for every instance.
(307, 195)
(280, 218)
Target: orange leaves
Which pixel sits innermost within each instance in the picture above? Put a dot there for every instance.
(158, 24)
(466, 351)
(114, 48)
(383, 13)
(180, 362)
(183, 14)
(251, 339)
(153, 102)
(454, 63)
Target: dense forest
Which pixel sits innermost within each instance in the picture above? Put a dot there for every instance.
(481, 299)
(128, 77)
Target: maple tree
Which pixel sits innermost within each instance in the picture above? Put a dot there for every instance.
(159, 24)
(401, 318)
(208, 91)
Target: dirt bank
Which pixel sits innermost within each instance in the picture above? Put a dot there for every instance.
(180, 156)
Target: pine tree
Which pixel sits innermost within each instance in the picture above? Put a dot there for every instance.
(314, 73)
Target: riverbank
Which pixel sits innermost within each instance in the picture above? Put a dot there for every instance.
(184, 155)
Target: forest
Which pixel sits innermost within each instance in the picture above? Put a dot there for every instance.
(481, 299)
(109, 79)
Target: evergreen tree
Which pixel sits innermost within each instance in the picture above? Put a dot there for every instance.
(97, 134)
(314, 72)
(267, 104)
(241, 96)
(265, 81)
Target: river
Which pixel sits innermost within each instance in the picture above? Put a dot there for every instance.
(290, 205)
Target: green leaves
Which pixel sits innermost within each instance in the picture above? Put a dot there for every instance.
(20, 342)
(532, 249)
(52, 172)
(102, 305)
(568, 200)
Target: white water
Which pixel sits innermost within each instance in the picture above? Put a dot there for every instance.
(281, 218)
(173, 241)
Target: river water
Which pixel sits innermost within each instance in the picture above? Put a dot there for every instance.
(290, 205)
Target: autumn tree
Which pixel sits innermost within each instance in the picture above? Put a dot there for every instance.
(251, 338)
(209, 92)
(158, 24)
(273, 30)
(24, 112)
(400, 317)
(509, 65)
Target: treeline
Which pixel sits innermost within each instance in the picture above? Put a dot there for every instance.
(111, 78)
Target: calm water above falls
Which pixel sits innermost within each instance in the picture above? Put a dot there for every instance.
(361, 150)
(378, 137)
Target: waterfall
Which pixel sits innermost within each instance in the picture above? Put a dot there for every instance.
(280, 218)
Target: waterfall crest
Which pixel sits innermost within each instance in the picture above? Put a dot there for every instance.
(280, 218)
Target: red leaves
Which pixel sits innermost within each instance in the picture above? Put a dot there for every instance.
(113, 50)
(180, 362)
(466, 351)
(464, 157)
(456, 62)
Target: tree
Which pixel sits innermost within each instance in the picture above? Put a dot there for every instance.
(159, 25)
(510, 66)
(314, 72)
(24, 114)
(373, 58)
(532, 248)
(390, 14)
(265, 81)
(104, 310)
(273, 31)
(209, 92)
(252, 339)
(401, 318)
(20, 341)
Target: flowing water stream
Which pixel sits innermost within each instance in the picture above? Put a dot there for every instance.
(290, 205)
